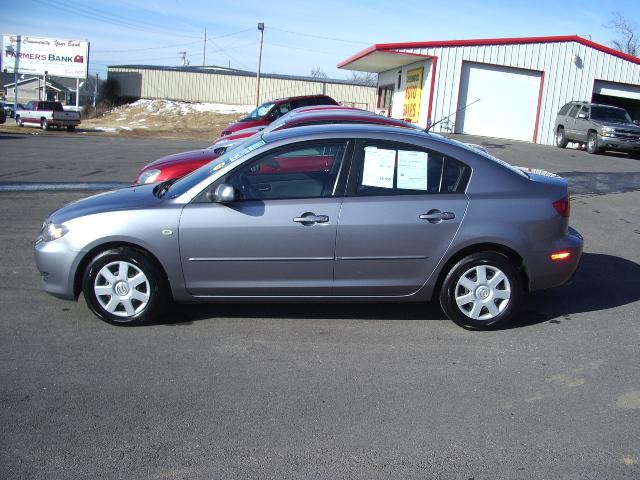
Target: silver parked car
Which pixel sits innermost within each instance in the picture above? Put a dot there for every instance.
(322, 213)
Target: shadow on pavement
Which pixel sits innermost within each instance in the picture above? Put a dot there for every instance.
(602, 282)
(594, 289)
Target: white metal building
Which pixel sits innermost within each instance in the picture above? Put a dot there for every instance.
(512, 87)
(231, 86)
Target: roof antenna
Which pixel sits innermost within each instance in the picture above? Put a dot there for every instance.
(431, 125)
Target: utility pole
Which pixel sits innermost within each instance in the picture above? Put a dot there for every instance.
(95, 91)
(44, 86)
(261, 28)
(204, 48)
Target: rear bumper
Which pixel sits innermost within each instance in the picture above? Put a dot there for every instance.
(612, 143)
(547, 273)
(64, 123)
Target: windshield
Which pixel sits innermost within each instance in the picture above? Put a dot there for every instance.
(610, 114)
(260, 112)
(232, 155)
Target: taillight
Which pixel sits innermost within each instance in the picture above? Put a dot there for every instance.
(562, 206)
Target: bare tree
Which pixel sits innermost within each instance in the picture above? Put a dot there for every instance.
(628, 33)
(317, 72)
(364, 78)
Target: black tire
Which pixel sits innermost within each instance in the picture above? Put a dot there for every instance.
(504, 308)
(592, 143)
(71, 128)
(635, 155)
(155, 287)
(19, 121)
(561, 138)
(44, 124)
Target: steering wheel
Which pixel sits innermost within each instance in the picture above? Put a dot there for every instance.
(246, 189)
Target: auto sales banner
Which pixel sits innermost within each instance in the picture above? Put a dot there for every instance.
(37, 55)
(412, 94)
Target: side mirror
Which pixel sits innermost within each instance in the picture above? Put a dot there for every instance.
(223, 193)
(636, 122)
(582, 115)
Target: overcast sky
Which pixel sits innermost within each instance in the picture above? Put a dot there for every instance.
(299, 35)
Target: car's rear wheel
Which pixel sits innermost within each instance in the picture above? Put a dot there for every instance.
(561, 138)
(482, 290)
(44, 124)
(592, 143)
(124, 286)
(71, 128)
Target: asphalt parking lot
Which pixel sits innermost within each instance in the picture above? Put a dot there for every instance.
(320, 391)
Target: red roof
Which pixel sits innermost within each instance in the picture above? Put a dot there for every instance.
(486, 41)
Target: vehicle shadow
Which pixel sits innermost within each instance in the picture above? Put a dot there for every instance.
(592, 290)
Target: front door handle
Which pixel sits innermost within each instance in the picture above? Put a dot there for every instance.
(436, 216)
(310, 218)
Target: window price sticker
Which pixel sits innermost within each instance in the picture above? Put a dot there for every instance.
(412, 170)
(379, 167)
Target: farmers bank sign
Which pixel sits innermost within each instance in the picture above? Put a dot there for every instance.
(37, 55)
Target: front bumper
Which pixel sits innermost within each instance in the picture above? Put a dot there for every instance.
(544, 272)
(618, 144)
(56, 263)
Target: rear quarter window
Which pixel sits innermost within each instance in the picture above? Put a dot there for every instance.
(565, 109)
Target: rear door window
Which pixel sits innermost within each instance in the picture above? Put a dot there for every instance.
(574, 111)
(565, 109)
(398, 169)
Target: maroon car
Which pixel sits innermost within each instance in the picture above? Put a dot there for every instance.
(178, 165)
(274, 109)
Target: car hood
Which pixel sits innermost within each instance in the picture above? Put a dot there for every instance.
(205, 154)
(624, 125)
(242, 124)
(129, 198)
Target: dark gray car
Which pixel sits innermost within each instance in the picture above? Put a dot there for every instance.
(324, 213)
(599, 127)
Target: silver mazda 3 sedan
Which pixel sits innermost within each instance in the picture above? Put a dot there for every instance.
(323, 213)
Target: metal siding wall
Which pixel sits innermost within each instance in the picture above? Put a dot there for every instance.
(563, 81)
(229, 89)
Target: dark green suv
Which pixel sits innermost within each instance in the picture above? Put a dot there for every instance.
(600, 127)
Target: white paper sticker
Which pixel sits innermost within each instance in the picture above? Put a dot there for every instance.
(379, 167)
(412, 170)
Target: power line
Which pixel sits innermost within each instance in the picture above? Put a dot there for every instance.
(320, 36)
(148, 48)
(102, 17)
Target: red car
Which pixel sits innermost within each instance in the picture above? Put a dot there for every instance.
(179, 164)
(273, 110)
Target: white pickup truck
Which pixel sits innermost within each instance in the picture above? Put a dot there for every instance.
(46, 115)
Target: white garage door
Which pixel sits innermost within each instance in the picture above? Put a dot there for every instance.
(617, 89)
(502, 102)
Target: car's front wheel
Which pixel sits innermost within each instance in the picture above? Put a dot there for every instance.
(124, 286)
(482, 290)
(561, 138)
(592, 143)
(44, 124)
(19, 122)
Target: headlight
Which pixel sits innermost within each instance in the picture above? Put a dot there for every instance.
(51, 231)
(608, 131)
(148, 176)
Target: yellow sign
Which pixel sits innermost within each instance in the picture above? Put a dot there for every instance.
(412, 94)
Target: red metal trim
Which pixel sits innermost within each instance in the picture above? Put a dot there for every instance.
(535, 129)
(434, 64)
(489, 41)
